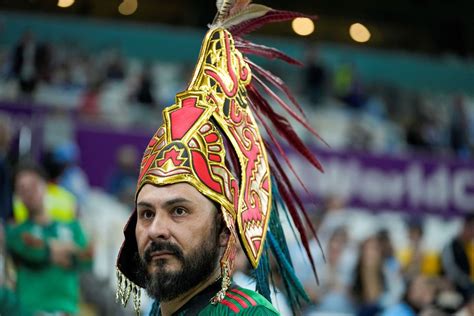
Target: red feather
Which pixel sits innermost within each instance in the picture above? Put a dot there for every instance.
(275, 97)
(279, 148)
(277, 82)
(277, 168)
(250, 48)
(283, 127)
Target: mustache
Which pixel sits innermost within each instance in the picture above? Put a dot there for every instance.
(163, 246)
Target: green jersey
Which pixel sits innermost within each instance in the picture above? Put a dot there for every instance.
(42, 285)
(238, 301)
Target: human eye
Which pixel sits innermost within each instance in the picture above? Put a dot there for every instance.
(147, 214)
(179, 211)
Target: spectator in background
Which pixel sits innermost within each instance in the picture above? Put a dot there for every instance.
(333, 293)
(391, 269)
(316, 77)
(48, 254)
(141, 96)
(122, 182)
(369, 283)
(423, 131)
(376, 283)
(115, 69)
(419, 296)
(348, 86)
(6, 206)
(458, 258)
(415, 260)
(71, 177)
(61, 205)
(29, 61)
(459, 128)
(468, 309)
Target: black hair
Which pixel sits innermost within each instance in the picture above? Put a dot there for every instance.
(28, 165)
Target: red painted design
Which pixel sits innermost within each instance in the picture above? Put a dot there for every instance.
(265, 185)
(172, 154)
(256, 244)
(214, 157)
(244, 72)
(247, 297)
(146, 166)
(211, 138)
(201, 168)
(230, 70)
(184, 118)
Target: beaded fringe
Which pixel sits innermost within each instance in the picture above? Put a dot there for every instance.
(226, 281)
(125, 288)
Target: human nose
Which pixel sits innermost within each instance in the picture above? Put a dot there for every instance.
(160, 227)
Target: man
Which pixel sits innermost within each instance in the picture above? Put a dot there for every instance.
(208, 182)
(458, 258)
(48, 254)
(181, 237)
(419, 296)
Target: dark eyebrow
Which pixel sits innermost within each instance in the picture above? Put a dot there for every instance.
(145, 204)
(165, 204)
(176, 201)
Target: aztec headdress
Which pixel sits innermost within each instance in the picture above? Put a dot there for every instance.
(210, 139)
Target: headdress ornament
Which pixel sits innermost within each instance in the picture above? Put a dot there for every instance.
(210, 139)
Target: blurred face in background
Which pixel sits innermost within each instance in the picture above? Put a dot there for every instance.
(421, 292)
(30, 188)
(337, 244)
(371, 253)
(468, 230)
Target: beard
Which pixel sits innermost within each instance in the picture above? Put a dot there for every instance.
(164, 285)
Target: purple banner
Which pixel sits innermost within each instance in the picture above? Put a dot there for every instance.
(414, 184)
(382, 182)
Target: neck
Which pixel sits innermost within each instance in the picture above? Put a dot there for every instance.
(168, 308)
(40, 217)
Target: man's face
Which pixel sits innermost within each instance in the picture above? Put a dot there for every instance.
(30, 188)
(177, 238)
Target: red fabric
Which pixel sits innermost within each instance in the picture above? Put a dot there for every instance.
(184, 118)
(202, 172)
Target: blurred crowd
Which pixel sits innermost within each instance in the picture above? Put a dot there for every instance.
(59, 237)
(108, 86)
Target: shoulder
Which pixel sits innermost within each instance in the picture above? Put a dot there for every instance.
(399, 310)
(240, 301)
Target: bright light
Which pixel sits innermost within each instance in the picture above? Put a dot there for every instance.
(303, 26)
(128, 7)
(65, 3)
(359, 33)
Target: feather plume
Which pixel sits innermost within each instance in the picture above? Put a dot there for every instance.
(278, 146)
(239, 5)
(301, 120)
(277, 82)
(283, 127)
(250, 12)
(247, 47)
(223, 8)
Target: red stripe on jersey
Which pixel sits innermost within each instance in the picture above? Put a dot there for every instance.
(232, 306)
(248, 298)
(238, 299)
